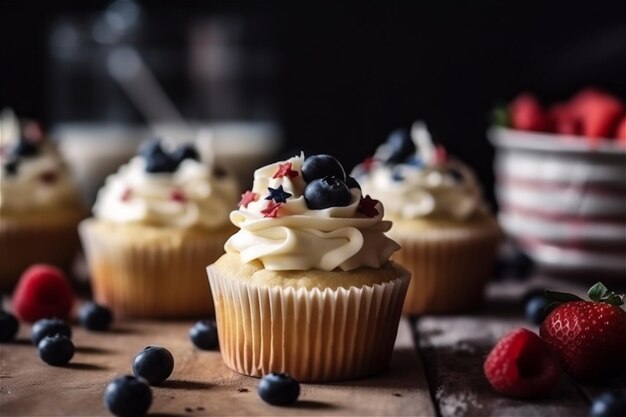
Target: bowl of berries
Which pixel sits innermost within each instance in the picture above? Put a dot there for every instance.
(561, 181)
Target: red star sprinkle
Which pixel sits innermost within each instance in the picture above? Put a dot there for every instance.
(367, 206)
(48, 177)
(126, 195)
(441, 156)
(247, 198)
(272, 209)
(178, 196)
(33, 132)
(368, 163)
(284, 170)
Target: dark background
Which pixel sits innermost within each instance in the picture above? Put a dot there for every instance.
(346, 75)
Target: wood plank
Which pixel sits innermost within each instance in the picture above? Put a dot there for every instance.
(200, 385)
(454, 349)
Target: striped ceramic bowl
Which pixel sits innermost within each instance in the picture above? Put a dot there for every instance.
(563, 200)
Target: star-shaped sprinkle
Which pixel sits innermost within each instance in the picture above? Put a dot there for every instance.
(247, 198)
(367, 206)
(48, 177)
(441, 156)
(285, 170)
(272, 209)
(178, 196)
(10, 167)
(278, 194)
(126, 195)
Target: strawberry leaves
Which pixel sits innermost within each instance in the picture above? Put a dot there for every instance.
(600, 293)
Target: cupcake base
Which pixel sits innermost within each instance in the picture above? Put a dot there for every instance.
(47, 237)
(450, 263)
(314, 334)
(150, 272)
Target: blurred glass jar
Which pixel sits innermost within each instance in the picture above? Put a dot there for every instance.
(207, 72)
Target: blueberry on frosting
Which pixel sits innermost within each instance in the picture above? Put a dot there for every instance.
(327, 192)
(158, 159)
(320, 166)
(400, 146)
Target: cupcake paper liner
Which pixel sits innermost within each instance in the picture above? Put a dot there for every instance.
(314, 335)
(148, 279)
(449, 268)
(38, 240)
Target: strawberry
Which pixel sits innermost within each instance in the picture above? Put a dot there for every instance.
(588, 336)
(42, 292)
(522, 365)
(563, 121)
(527, 114)
(598, 111)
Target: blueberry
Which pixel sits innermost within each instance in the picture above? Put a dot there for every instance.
(278, 389)
(320, 166)
(327, 192)
(513, 263)
(49, 327)
(8, 326)
(23, 148)
(95, 317)
(186, 151)
(609, 404)
(56, 350)
(154, 364)
(535, 309)
(11, 166)
(157, 160)
(203, 334)
(351, 182)
(401, 146)
(128, 396)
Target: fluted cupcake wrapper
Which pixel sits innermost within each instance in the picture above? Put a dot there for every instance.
(449, 269)
(314, 335)
(37, 241)
(143, 279)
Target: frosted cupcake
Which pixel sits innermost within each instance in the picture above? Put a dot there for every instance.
(39, 205)
(448, 236)
(157, 222)
(306, 286)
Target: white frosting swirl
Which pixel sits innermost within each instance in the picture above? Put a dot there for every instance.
(299, 238)
(431, 185)
(186, 198)
(36, 182)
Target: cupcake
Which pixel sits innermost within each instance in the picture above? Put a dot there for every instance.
(448, 236)
(157, 222)
(39, 204)
(306, 286)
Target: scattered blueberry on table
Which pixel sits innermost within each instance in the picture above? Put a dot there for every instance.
(535, 306)
(155, 364)
(95, 317)
(49, 327)
(203, 334)
(128, 396)
(8, 326)
(56, 350)
(278, 389)
(609, 404)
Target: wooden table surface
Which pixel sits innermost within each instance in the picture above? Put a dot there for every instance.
(436, 370)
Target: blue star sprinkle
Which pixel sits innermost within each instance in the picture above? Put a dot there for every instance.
(278, 194)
